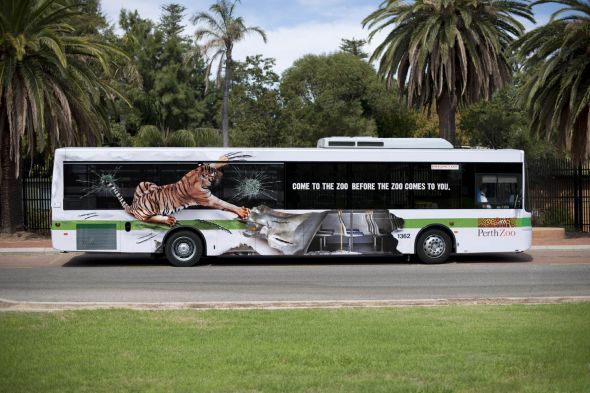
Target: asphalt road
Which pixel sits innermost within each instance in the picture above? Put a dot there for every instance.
(133, 278)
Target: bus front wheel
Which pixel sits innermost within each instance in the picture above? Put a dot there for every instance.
(434, 246)
(183, 249)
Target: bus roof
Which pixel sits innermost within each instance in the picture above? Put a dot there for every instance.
(369, 142)
(193, 154)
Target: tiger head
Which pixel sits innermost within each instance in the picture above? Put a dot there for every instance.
(209, 175)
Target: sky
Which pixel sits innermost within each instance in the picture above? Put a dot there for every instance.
(294, 27)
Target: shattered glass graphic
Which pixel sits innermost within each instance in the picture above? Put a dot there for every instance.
(99, 182)
(253, 185)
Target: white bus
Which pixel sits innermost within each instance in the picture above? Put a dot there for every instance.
(348, 196)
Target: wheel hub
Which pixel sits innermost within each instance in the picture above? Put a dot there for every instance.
(184, 248)
(434, 246)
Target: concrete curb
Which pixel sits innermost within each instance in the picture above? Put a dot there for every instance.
(11, 305)
(29, 250)
(563, 247)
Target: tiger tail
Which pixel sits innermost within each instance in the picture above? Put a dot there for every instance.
(117, 193)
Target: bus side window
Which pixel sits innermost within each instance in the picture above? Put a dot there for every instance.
(498, 191)
(508, 190)
(481, 195)
(253, 184)
(305, 185)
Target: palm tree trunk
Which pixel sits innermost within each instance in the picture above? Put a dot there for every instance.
(225, 106)
(11, 209)
(446, 108)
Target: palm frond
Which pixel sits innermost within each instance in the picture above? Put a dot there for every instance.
(53, 82)
(557, 93)
(438, 47)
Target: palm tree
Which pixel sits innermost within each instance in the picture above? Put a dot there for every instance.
(222, 30)
(52, 89)
(557, 92)
(446, 53)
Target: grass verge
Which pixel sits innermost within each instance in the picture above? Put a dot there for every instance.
(540, 348)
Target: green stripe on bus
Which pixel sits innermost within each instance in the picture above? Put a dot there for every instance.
(136, 225)
(456, 222)
(410, 223)
(449, 222)
(524, 222)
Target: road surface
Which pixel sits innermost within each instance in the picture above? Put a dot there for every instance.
(137, 278)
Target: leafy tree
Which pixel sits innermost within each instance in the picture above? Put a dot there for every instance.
(179, 86)
(223, 30)
(503, 122)
(337, 94)
(557, 93)
(207, 137)
(51, 93)
(151, 136)
(496, 124)
(171, 20)
(255, 103)
(393, 119)
(171, 93)
(118, 137)
(142, 43)
(354, 47)
(91, 20)
(445, 53)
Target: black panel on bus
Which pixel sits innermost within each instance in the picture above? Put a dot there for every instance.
(248, 184)
(306, 185)
(371, 186)
(312, 185)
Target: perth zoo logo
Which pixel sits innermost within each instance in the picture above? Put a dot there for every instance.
(496, 227)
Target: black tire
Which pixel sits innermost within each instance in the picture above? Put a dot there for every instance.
(434, 246)
(184, 249)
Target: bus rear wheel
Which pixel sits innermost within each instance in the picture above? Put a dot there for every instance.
(183, 249)
(434, 246)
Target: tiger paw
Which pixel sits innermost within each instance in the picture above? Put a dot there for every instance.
(171, 221)
(243, 212)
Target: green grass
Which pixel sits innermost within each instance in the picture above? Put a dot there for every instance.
(540, 348)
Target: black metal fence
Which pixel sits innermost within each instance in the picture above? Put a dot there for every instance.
(37, 198)
(558, 195)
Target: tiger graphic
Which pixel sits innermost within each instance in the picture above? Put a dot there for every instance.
(157, 204)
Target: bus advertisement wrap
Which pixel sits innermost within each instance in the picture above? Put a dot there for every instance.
(339, 231)
(287, 202)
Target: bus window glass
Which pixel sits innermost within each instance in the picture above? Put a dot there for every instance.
(250, 185)
(84, 187)
(468, 195)
(75, 179)
(436, 186)
(316, 185)
(379, 185)
(247, 184)
(498, 191)
(169, 173)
